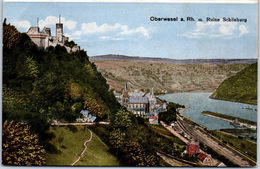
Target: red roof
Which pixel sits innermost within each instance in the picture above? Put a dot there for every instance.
(153, 117)
(159, 103)
(202, 156)
(192, 149)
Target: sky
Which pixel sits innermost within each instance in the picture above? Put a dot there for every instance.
(127, 29)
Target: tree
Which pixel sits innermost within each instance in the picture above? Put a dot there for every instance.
(10, 35)
(70, 44)
(117, 138)
(170, 115)
(73, 90)
(94, 107)
(136, 156)
(27, 67)
(122, 119)
(20, 145)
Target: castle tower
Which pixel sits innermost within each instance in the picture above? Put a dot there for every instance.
(59, 31)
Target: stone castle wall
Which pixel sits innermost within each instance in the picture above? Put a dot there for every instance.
(43, 39)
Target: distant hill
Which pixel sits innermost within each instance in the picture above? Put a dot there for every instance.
(112, 57)
(241, 87)
(166, 77)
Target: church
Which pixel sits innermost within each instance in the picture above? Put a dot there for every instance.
(138, 104)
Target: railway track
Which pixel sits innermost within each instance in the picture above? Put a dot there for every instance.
(208, 141)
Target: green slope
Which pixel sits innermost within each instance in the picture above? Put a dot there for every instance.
(241, 87)
(42, 85)
(69, 144)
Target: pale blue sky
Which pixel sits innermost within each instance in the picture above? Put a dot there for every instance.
(125, 28)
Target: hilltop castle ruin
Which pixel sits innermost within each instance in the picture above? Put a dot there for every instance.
(44, 39)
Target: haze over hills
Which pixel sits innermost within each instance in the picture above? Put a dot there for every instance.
(169, 75)
(112, 57)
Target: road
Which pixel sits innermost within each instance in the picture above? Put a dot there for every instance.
(79, 124)
(85, 149)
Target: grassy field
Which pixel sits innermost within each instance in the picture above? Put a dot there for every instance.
(243, 145)
(98, 154)
(69, 143)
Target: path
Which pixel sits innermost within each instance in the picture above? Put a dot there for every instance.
(79, 124)
(85, 149)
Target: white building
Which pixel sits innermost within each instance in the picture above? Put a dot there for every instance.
(153, 120)
(86, 117)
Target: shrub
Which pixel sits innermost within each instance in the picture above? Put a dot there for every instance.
(20, 145)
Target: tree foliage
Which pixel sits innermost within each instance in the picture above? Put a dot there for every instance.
(20, 145)
(129, 139)
(70, 44)
(93, 106)
(73, 90)
(170, 115)
(122, 119)
(117, 138)
(136, 156)
(10, 35)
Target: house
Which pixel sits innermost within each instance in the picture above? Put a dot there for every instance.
(192, 150)
(161, 106)
(86, 117)
(220, 164)
(205, 159)
(172, 124)
(153, 120)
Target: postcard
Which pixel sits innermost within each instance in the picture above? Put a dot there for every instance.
(129, 83)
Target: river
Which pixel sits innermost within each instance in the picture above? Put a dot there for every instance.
(196, 102)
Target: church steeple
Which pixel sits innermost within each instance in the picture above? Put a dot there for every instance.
(125, 96)
(126, 88)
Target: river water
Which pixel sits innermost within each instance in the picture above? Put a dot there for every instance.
(196, 102)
